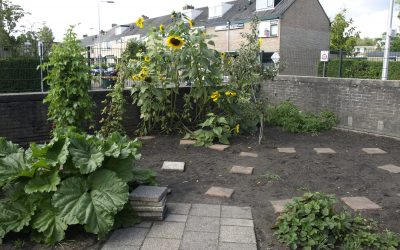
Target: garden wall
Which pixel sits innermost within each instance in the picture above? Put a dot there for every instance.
(363, 105)
(23, 116)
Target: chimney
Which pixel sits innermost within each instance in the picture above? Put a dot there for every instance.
(114, 25)
(188, 7)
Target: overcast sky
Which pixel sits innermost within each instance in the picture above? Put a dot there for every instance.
(370, 16)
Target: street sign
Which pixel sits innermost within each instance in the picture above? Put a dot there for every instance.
(324, 56)
(275, 57)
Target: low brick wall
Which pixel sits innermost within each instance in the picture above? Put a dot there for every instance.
(363, 105)
(24, 116)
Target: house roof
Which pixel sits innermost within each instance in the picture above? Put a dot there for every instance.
(241, 11)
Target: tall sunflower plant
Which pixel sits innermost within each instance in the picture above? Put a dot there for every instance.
(177, 56)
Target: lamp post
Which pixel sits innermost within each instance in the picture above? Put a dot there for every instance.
(385, 67)
(98, 37)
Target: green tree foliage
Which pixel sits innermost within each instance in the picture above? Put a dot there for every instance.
(10, 14)
(69, 101)
(343, 35)
(45, 35)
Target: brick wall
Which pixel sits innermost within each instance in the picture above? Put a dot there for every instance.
(363, 105)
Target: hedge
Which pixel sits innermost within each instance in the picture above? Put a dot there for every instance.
(19, 75)
(359, 68)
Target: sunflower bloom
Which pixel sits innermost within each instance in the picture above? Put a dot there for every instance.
(230, 93)
(222, 54)
(140, 22)
(162, 28)
(175, 42)
(147, 59)
(190, 21)
(135, 78)
(236, 129)
(259, 42)
(215, 96)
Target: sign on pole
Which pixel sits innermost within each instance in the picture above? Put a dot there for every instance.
(275, 57)
(325, 56)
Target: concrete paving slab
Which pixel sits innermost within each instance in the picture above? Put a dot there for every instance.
(146, 137)
(173, 166)
(237, 222)
(220, 192)
(199, 241)
(241, 170)
(178, 208)
(236, 234)
(236, 212)
(203, 224)
(287, 150)
(324, 151)
(128, 237)
(390, 168)
(148, 193)
(374, 151)
(176, 218)
(187, 142)
(279, 205)
(219, 147)
(160, 244)
(248, 154)
(205, 210)
(169, 230)
(360, 203)
(236, 246)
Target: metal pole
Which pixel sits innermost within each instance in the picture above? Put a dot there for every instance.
(41, 62)
(385, 67)
(228, 38)
(340, 62)
(99, 43)
(323, 71)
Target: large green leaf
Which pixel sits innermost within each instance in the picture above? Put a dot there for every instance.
(43, 182)
(92, 202)
(7, 147)
(57, 152)
(122, 167)
(14, 166)
(86, 155)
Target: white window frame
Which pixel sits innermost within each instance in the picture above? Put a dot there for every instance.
(264, 28)
(262, 5)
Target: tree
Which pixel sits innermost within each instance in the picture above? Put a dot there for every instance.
(45, 35)
(343, 35)
(10, 14)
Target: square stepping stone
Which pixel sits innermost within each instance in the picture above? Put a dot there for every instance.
(173, 166)
(279, 205)
(160, 203)
(236, 212)
(237, 234)
(248, 154)
(169, 230)
(287, 150)
(178, 208)
(146, 137)
(241, 170)
(360, 203)
(187, 142)
(324, 151)
(374, 151)
(205, 210)
(160, 244)
(220, 192)
(219, 147)
(148, 193)
(203, 224)
(199, 241)
(391, 168)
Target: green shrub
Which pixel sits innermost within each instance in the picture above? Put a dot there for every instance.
(360, 68)
(290, 118)
(74, 179)
(313, 222)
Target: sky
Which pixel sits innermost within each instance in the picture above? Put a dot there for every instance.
(370, 16)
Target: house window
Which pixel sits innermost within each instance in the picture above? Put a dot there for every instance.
(264, 4)
(268, 29)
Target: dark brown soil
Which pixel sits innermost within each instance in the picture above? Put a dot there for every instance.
(348, 173)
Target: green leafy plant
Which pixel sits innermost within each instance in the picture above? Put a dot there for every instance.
(314, 222)
(68, 76)
(214, 128)
(290, 118)
(270, 176)
(74, 179)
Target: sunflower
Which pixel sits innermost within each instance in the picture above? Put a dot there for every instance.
(259, 42)
(190, 21)
(215, 96)
(175, 42)
(236, 129)
(230, 93)
(147, 59)
(135, 78)
(140, 22)
(162, 29)
(222, 54)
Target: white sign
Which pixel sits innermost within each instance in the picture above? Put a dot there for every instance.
(324, 56)
(275, 57)
(231, 27)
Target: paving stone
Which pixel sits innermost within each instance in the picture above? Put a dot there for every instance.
(109, 246)
(153, 216)
(391, 168)
(148, 209)
(149, 203)
(173, 166)
(205, 210)
(324, 151)
(146, 138)
(374, 151)
(144, 224)
(199, 241)
(127, 237)
(237, 246)
(360, 203)
(248, 154)
(176, 218)
(169, 230)
(287, 150)
(219, 147)
(236, 212)
(178, 208)
(148, 193)
(237, 234)
(187, 142)
(241, 170)
(202, 224)
(160, 244)
(279, 205)
(220, 192)
(237, 222)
